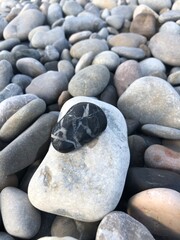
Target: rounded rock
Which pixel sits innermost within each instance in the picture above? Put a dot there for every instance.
(129, 52)
(170, 27)
(10, 90)
(108, 4)
(85, 60)
(72, 8)
(89, 81)
(54, 13)
(151, 65)
(156, 6)
(67, 68)
(6, 73)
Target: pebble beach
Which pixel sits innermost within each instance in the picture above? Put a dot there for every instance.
(90, 119)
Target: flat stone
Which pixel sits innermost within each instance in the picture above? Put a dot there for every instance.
(11, 105)
(76, 37)
(119, 225)
(158, 209)
(161, 131)
(90, 177)
(156, 6)
(151, 65)
(109, 95)
(126, 40)
(48, 86)
(174, 78)
(22, 80)
(158, 156)
(85, 60)
(22, 119)
(26, 53)
(129, 52)
(21, 25)
(10, 90)
(31, 140)
(30, 67)
(159, 46)
(125, 11)
(89, 81)
(8, 44)
(88, 45)
(139, 102)
(143, 178)
(6, 73)
(172, 15)
(20, 218)
(126, 73)
(80, 125)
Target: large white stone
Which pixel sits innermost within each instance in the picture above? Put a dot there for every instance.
(87, 183)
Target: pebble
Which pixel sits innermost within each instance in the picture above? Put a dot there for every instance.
(119, 225)
(6, 73)
(158, 209)
(159, 46)
(10, 90)
(172, 144)
(171, 15)
(30, 66)
(109, 4)
(38, 134)
(5, 236)
(125, 11)
(151, 65)
(20, 218)
(140, 179)
(144, 24)
(66, 68)
(139, 102)
(144, 9)
(95, 45)
(156, 6)
(174, 78)
(84, 61)
(90, 81)
(22, 80)
(170, 27)
(158, 156)
(80, 125)
(129, 52)
(115, 21)
(125, 74)
(8, 44)
(48, 86)
(176, 5)
(81, 173)
(54, 13)
(3, 24)
(126, 40)
(108, 58)
(161, 131)
(21, 25)
(76, 37)
(50, 54)
(22, 119)
(8, 56)
(26, 52)
(72, 8)
(64, 96)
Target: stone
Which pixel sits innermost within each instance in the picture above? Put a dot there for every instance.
(89, 81)
(9, 56)
(161, 131)
(143, 178)
(57, 238)
(6, 73)
(170, 27)
(126, 40)
(80, 23)
(80, 125)
(30, 66)
(176, 5)
(35, 30)
(64, 96)
(26, 53)
(144, 24)
(42, 38)
(151, 100)
(125, 74)
(156, 6)
(159, 46)
(13, 159)
(50, 54)
(90, 177)
(125, 11)
(108, 58)
(119, 225)
(22, 119)
(16, 211)
(72, 8)
(89, 45)
(172, 144)
(115, 21)
(171, 15)
(66, 67)
(144, 9)
(151, 65)
(85, 60)
(63, 226)
(12, 104)
(54, 13)
(3, 24)
(5, 236)
(10, 90)
(87, 230)
(174, 78)
(158, 156)
(129, 52)
(8, 44)
(22, 80)
(21, 25)
(109, 4)
(132, 126)
(158, 209)
(48, 86)
(76, 37)
(109, 95)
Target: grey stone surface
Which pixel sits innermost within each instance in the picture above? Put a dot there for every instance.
(90, 81)
(90, 181)
(6, 73)
(10, 90)
(66, 67)
(156, 5)
(8, 44)
(85, 60)
(120, 226)
(5, 236)
(72, 8)
(54, 13)
(129, 52)
(174, 78)
(151, 100)
(20, 218)
(151, 65)
(171, 15)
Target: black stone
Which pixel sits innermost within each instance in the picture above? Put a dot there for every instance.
(81, 124)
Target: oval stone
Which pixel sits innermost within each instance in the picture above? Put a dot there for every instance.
(84, 46)
(156, 5)
(81, 124)
(6, 73)
(89, 81)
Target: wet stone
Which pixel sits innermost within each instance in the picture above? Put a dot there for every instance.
(81, 124)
